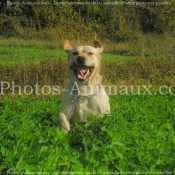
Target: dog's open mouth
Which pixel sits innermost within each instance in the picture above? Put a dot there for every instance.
(82, 72)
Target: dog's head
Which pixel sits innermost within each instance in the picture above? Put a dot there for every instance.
(84, 61)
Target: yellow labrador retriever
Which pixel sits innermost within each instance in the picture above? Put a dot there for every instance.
(84, 95)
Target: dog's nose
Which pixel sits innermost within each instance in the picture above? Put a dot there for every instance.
(80, 60)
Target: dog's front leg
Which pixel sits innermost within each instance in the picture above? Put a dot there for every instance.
(63, 123)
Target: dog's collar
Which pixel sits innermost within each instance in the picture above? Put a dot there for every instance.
(80, 96)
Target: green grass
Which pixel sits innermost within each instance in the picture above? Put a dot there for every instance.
(110, 58)
(16, 55)
(138, 137)
(17, 42)
(14, 50)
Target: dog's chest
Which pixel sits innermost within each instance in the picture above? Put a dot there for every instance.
(85, 107)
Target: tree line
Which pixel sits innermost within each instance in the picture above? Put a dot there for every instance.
(115, 21)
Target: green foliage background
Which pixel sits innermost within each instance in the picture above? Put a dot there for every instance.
(120, 21)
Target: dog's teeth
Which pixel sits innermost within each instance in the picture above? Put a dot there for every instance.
(87, 72)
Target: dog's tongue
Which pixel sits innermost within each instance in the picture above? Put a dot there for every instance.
(83, 73)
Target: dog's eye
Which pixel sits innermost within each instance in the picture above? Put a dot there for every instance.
(75, 53)
(90, 53)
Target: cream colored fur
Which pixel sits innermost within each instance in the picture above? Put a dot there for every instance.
(84, 67)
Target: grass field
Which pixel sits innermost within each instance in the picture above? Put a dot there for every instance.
(16, 55)
(19, 51)
(138, 138)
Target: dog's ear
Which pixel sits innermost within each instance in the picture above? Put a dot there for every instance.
(98, 46)
(67, 46)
